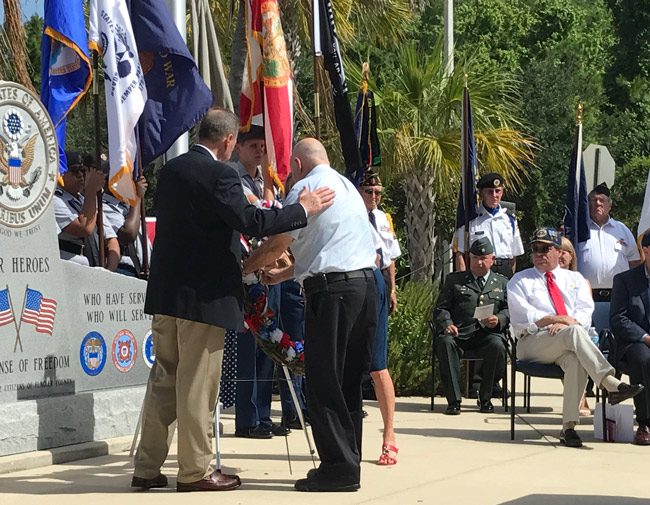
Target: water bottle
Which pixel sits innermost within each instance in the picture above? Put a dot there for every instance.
(593, 335)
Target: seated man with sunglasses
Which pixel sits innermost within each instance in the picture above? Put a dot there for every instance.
(550, 311)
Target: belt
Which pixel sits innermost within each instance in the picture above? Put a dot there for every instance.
(502, 261)
(320, 282)
(71, 247)
(601, 295)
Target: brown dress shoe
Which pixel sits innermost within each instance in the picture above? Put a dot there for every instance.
(142, 483)
(642, 436)
(216, 481)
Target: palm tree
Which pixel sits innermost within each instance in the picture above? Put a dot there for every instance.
(14, 61)
(420, 120)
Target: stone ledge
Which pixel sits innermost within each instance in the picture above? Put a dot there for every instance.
(59, 455)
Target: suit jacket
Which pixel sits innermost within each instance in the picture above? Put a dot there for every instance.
(459, 297)
(629, 310)
(196, 263)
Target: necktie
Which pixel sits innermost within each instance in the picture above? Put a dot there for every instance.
(373, 221)
(556, 295)
(481, 282)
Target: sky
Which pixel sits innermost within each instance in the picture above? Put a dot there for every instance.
(29, 8)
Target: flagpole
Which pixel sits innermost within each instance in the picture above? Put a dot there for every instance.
(465, 181)
(16, 325)
(315, 32)
(98, 155)
(18, 341)
(144, 274)
(576, 191)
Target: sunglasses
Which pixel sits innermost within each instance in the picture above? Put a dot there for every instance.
(541, 249)
(373, 192)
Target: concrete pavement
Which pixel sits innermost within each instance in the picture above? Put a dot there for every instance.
(466, 459)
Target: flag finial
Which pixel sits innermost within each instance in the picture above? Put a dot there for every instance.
(579, 110)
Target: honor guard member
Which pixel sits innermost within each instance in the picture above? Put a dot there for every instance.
(388, 250)
(76, 216)
(459, 331)
(250, 149)
(496, 223)
(125, 221)
(611, 248)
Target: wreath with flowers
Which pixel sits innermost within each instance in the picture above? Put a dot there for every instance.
(261, 320)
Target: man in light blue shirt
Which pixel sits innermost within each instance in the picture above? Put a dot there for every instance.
(334, 257)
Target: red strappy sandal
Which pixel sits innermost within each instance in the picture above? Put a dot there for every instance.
(388, 455)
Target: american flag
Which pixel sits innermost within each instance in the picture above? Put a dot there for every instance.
(6, 314)
(39, 311)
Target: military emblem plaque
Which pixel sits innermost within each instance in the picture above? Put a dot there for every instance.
(29, 156)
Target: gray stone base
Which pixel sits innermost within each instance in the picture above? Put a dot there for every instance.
(33, 425)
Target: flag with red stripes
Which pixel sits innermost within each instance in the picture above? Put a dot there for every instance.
(6, 314)
(39, 311)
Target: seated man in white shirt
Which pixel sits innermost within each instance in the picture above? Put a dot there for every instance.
(550, 310)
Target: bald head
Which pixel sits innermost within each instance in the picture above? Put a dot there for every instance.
(306, 155)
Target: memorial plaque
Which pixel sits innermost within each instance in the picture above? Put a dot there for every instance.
(65, 330)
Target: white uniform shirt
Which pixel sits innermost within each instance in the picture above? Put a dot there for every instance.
(529, 299)
(339, 238)
(501, 228)
(67, 208)
(608, 252)
(389, 245)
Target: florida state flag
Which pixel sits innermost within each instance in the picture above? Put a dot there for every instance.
(267, 88)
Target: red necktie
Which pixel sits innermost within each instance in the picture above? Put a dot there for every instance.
(556, 295)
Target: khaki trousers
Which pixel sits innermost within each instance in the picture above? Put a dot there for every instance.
(574, 352)
(183, 385)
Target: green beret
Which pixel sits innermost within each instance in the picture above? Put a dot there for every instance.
(481, 247)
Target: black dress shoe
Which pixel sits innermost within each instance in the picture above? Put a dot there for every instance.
(259, 432)
(624, 392)
(142, 483)
(293, 423)
(216, 481)
(279, 430)
(570, 438)
(316, 484)
(453, 409)
(485, 407)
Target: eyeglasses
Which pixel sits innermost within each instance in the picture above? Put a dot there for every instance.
(373, 192)
(540, 249)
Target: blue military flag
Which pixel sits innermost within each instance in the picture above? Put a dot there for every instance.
(576, 208)
(177, 97)
(65, 71)
(467, 196)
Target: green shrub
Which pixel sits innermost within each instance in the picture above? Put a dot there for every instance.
(409, 339)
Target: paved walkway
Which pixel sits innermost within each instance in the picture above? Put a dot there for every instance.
(467, 459)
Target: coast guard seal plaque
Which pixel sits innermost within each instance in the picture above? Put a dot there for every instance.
(29, 157)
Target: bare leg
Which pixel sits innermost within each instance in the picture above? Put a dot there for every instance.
(385, 391)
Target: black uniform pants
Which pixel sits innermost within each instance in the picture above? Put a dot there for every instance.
(490, 346)
(637, 360)
(339, 331)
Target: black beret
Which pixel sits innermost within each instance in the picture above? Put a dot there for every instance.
(73, 158)
(255, 133)
(491, 180)
(601, 189)
(547, 235)
(370, 178)
(645, 241)
(481, 247)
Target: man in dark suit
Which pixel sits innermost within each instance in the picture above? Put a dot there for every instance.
(630, 322)
(459, 331)
(194, 292)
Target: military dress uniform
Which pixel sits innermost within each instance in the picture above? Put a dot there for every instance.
(499, 225)
(83, 251)
(115, 213)
(460, 295)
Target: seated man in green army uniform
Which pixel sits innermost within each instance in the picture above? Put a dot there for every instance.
(459, 331)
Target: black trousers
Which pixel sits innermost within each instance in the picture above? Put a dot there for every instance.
(490, 346)
(339, 331)
(637, 360)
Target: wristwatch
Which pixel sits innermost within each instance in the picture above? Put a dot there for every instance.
(532, 329)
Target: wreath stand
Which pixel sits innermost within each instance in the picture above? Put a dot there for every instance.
(217, 434)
